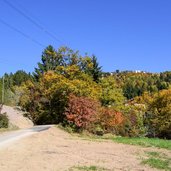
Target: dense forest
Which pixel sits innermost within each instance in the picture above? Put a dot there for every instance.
(72, 90)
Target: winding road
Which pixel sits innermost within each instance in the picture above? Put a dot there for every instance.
(7, 138)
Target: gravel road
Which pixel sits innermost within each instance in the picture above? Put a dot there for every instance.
(9, 137)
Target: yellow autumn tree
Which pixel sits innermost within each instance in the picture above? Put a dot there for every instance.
(46, 100)
(159, 115)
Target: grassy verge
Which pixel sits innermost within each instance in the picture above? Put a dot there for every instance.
(145, 142)
(3, 130)
(140, 141)
(11, 128)
(158, 161)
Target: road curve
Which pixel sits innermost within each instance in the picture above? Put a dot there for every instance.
(8, 138)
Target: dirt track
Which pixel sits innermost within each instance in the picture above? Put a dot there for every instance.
(56, 150)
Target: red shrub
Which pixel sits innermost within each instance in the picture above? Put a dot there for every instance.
(81, 111)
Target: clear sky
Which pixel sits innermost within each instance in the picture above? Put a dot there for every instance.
(123, 34)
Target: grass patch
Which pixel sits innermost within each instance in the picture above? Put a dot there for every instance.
(157, 163)
(145, 142)
(87, 168)
(153, 154)
(157, 160)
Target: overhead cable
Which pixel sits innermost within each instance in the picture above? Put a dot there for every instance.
(39, 26)
(21, 33)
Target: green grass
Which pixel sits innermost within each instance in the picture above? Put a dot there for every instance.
(145, 142)
(157, 160)
(153, 154)
(157, 163)
(87, 168)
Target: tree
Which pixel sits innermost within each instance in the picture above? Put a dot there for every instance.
(48, 62)
(53, 59)
(47, 99)
(95, 71)
(112, 95)
(159, 115)
(19, 77)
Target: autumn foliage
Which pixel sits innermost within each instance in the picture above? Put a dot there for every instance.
(81, 112)
(110, 119)
(68, 88)
(84, 113)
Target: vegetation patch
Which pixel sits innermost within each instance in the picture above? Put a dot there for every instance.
(158, 161)
(4, 121)
(10, 128)
(145, 142)
(87, 168)
(140, 141)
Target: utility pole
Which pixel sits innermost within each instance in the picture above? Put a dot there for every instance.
(3, 78)
(2, 100)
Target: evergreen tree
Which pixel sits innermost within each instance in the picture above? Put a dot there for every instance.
(48, 62)
(51, 59)
(19, 77)
(95, 71)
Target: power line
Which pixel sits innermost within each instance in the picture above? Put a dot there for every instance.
(39, 26)
(21, 33)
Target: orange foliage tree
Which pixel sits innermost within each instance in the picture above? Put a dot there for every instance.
(81, 112)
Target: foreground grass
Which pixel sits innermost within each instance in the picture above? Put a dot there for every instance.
(158, 161)
(87, 168)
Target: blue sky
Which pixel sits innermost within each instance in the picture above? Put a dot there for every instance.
(123, 34)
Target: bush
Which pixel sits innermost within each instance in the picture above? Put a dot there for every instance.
(133, 125)
(81, 112)
(110, 120)
(4, 121)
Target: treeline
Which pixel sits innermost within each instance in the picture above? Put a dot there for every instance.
(11, 83)
(71, 89)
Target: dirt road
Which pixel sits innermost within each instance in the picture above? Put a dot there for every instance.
(9, 137)
(56, 150)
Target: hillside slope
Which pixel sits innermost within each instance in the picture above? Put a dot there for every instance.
(16, 117)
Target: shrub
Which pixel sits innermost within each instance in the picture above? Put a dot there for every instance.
(133, 125)
(4, 121)
(110, 120)
(81, 112)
